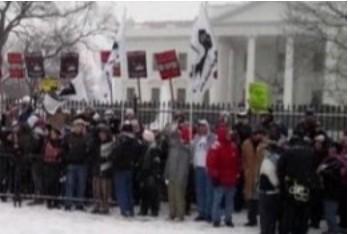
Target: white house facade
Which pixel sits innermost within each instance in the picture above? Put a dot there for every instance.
(253, 44)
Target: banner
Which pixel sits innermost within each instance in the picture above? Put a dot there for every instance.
(116, 69)
(203, 56)
(51, 103)
(260, 97)
(16, 69)
(49, 84)
(35, 65)
(136, 64)
(69, 65)
(15, 58)
(168, 64)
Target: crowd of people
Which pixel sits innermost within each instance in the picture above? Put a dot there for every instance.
(286, 181)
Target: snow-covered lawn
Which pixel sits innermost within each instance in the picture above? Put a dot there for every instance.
(39, 220)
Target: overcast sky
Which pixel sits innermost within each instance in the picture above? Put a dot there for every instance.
(158, 11)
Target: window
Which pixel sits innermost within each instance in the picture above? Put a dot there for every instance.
(206, 97)
(318, 62)
(154, 64)
(181, 95)
(130, 94)
(183, 61)
(155, 95)
(281, 62)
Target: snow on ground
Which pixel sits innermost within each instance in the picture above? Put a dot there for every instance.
(39, 220)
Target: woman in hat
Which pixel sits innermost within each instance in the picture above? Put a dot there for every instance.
(102, 170)
(52, 159)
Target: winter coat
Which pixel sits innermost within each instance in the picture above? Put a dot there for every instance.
(151, 166)
(75, 149)
(251, 162)
(269, 181)
(52, 152)
(329, 172)
(125, 152)
(296, 171)
(223, 161)
(178, 161)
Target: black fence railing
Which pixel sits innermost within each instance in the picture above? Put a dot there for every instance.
(333, 119)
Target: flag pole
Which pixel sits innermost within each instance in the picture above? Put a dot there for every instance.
(171, 90)
(139, 88)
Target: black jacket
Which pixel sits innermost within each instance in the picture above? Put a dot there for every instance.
(296, 169)
(151, 166)
(330, 176)
(75, 149)
(125, 152)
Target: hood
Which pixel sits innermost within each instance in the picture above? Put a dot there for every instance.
(221, 135)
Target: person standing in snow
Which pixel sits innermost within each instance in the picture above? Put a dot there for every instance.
(52, 163)
(123, 156)
(251, 166)
(204, 189)
(269, 193)
(177, 170)
(330, 174)
(150, 176)
(296, 172)
(242, 131)
(223, 168)
(76, 159)
(102, 169)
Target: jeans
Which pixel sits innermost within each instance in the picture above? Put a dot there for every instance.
(123, 181)
(204, 192)
(223, 194)
(330, 211)
(76, 180)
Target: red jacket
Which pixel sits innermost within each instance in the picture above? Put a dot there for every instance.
(223, 161)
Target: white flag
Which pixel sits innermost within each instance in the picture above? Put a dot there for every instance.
(51, 103)
(203, 51)
(117, 54)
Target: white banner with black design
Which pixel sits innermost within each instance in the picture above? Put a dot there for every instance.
(203, 51)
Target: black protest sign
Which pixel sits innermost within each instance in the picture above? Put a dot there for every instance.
(69, 65)
(137, 64)
(35, 65)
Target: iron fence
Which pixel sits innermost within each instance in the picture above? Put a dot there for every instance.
(333, 119)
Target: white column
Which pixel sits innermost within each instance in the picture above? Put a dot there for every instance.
(289, 72)
(330, 76)
(250, 72)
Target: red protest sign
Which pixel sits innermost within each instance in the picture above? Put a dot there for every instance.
(15, 58)
(168, 64)
(16, 69)
(104, 56)
(137, 64)
(16, 72)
